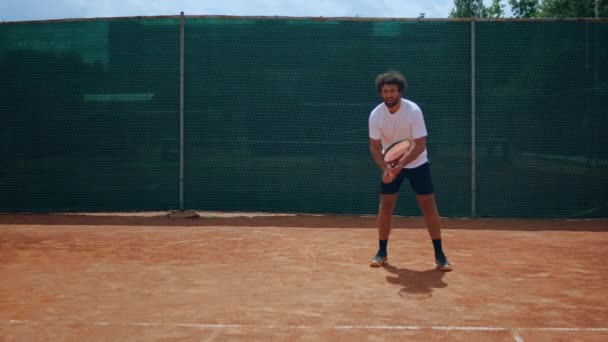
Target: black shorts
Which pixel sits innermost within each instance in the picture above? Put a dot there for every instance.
(419, 177)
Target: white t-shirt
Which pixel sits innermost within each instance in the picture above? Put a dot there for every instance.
(407, 122)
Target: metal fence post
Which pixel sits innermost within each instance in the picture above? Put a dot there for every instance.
(181, 112)
(473, 124)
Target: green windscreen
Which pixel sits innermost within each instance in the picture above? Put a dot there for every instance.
(276, 114)
(542, 124)
(277, 111)
(89, 115)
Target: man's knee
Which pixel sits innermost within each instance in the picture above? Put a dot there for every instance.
(427, 203)
(387, 203)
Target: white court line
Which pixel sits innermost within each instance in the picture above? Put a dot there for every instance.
(415, 327)
(311, 327)
(517, 337)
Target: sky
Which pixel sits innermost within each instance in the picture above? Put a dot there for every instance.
(21, 10)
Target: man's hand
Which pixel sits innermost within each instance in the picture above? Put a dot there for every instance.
(389, 174)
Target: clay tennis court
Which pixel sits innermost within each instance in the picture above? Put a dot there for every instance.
(246, 277)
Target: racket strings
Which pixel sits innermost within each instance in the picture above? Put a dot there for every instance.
(396, 152)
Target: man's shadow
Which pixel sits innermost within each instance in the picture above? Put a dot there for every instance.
(420, 283)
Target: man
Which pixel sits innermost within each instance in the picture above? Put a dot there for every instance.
(395, 119)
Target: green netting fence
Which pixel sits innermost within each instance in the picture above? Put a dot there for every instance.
(274, 114)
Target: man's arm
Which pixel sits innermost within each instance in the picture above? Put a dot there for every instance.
(375, 147)
(419, 146)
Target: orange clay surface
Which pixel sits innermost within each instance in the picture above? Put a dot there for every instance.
(121, 277)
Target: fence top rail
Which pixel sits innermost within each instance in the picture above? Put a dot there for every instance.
(362, 19)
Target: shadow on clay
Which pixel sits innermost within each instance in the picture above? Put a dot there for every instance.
(414, 282)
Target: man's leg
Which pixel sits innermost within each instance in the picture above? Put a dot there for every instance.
(428, 207)
(385, 214)
(431, 214)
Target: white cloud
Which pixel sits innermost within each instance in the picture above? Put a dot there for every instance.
(330, 8)
(17, 10)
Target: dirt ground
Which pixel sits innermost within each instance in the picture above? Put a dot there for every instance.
(257, 277)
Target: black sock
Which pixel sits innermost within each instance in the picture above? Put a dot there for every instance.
(383, 244)
(438, 251)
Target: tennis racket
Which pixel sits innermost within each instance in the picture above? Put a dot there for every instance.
(397, 151)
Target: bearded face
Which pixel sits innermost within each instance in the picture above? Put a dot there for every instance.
(391, 95)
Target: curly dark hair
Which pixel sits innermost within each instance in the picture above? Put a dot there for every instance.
(391, 77)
